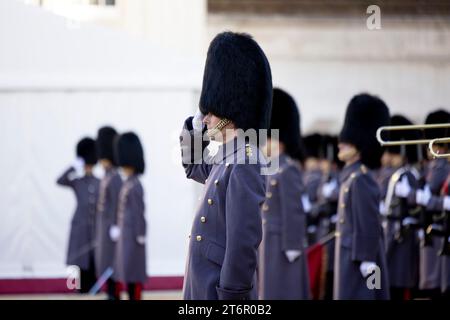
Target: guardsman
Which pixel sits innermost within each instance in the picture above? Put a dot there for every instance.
(431, 271)
(130, 260)
(402, 241)
(360, 270)
(441, 203)
(312, 178)
(107, 230)
(436, 173)
(328, 196)
(283, 270)
(79, 177)
(227, 230)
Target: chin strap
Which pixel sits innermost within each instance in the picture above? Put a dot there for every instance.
(217, 128)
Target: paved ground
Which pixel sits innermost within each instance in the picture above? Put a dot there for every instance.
(147, 295)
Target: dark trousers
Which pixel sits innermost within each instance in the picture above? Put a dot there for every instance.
(113, 289)
(134, 291)
(87, 276)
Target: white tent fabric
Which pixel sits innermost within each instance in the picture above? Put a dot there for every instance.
(58, 84)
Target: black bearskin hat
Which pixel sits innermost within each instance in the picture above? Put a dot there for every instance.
(286, 118)
(312, 143)
(105, 143)
(365, 114)
(129, 152)
(408, 151)
(435, 117)
(327, 149)
(87, 151)
(237, 81)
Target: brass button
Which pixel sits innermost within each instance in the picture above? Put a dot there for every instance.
(269, 194)
(341, 220)
(343, 205)
(273, 182)
(353, 175)
(265, 207)
(264, 222)
(203, 219)
(227, 165)
(346, 190)
(199, 238)
(216, 182)
(280, 170)
(210, 202)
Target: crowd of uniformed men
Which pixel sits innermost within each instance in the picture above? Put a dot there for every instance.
(382, 214)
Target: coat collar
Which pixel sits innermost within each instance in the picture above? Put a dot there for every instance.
(348, 170)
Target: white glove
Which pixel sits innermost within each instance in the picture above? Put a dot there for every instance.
(447, 203)
(197, 121)
(334, 218)
(423, 196)
(140, 240)
(114, 233)
(367, 267)
(78, 165)
(292, 255)
(421, 234)
(382, 208)
(327, 188)
(409, 221)
(402, 188)
(306, 203)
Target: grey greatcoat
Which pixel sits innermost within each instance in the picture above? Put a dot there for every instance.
(227, 230)
(359, 236)
(402, 244)
(82, 232)
(437, 204)
(284, 228)
(130, 260)
(430, 262)
(106, 217)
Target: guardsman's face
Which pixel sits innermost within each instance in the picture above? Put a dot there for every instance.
(210, 120)
(386, 159)
(347, 152)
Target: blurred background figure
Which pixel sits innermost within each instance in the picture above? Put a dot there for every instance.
(432, 275)
(311, 179)
(130, 257)
(82, 239)
(401, 223)
(283, 269)
(107, 230)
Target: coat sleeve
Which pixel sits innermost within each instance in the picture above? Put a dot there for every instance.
(67, 179)
(191, 155)
(137, 206)
(366, 225)
(245, 194)
(436, 203)
(292, 214)
(438, 175)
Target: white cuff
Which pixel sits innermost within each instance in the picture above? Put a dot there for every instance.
(292, 255)
(140, 240)
(367, 267)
